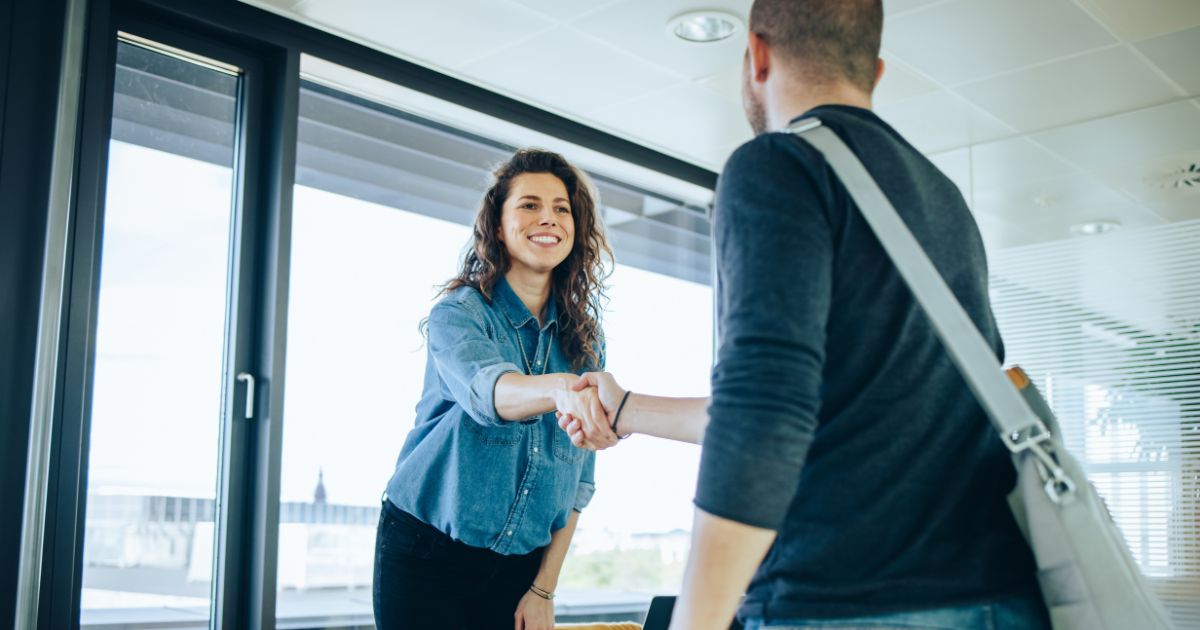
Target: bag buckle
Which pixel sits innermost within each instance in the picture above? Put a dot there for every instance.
(1036, 439)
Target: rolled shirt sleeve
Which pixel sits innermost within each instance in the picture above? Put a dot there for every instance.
(587, 482)
(467, 359)
(774, 263)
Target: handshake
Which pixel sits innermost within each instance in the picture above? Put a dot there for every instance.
(588, 410)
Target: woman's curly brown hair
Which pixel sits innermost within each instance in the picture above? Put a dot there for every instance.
(576, 284)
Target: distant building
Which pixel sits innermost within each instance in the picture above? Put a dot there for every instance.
(319, 493)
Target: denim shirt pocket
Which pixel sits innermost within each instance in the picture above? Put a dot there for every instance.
(507, 434)
(563, 448)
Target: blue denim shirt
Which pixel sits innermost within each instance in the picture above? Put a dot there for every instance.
(488, 482)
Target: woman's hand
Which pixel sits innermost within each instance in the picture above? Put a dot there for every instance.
(581, 402)
(594, 433)
(534, 613)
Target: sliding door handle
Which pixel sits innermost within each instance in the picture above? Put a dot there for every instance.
(248, 379)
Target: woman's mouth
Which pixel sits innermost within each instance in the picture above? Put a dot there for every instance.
(545, 240)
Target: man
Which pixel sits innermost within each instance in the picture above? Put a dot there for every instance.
(847, 472)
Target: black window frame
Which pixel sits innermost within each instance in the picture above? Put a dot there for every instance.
(267, 47)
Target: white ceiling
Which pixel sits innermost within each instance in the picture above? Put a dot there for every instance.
(1047, 113)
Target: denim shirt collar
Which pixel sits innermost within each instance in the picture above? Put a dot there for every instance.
(516, 311)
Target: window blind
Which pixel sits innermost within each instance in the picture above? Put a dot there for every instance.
(351, 146)
(1109, 328)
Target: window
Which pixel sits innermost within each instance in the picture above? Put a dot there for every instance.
(382, 209)
(157, 395)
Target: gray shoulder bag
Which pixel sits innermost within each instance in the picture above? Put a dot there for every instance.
(1088, 578)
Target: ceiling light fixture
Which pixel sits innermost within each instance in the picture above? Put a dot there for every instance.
(704, 26)
(1095, 228)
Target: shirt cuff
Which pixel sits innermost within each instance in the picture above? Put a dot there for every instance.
(583, 495)
(483, 393)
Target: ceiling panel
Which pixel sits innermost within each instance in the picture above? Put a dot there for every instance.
(564, 9)
(999, 164)
(582, 76)
(956, 164)
(1132, 138)
(896, 7)
(420, 30)
(941, 120)
(1133, 20)
(1178, 56)
(1182, 209)
(1028, 203)
(1171, 182)
(963, 40)
(726, 85)
(900, 82)
(685, 119)
(1108, 81)
(1057, 225)
(1043, 112)
(999, 234)
(640, 28)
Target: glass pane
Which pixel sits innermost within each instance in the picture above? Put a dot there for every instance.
(156, 399)
(362, 279)
(633, 539)
(1106, 326)
(382, 212)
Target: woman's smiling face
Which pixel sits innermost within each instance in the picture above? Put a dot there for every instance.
(536, 224)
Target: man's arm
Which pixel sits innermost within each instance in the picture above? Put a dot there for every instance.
(680, 419)
(774, 249)
(723, 559)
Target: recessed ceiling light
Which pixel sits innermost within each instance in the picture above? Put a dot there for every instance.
(704, 26)
(1095, 228)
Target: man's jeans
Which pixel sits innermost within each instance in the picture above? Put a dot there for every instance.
(1016, 613)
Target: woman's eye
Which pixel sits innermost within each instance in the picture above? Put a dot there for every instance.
(565, 210)
(530, 205)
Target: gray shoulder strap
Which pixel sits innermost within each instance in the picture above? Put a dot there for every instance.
(967, 347)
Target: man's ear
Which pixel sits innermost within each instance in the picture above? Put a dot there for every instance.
(758, 51)
(879, 68)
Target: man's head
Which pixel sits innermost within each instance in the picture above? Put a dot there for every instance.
(820, 46)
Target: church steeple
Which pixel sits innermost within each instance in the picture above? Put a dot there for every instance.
(319, 493)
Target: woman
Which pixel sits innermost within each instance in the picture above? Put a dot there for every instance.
(487, 489)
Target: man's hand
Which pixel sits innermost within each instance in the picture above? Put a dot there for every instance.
(594, 432)
(582, 403)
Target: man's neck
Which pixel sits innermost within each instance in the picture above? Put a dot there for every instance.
(795, 99)
(532, 288)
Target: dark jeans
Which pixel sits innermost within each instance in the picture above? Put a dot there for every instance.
(425, 579)
(1010, 613)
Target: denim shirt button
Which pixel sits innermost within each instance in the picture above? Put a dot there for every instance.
(525, 492)
(535, 449)
(510, 532)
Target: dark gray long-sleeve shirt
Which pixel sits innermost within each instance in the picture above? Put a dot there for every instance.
(837, 418)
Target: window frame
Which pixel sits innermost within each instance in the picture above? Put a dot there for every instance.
(267, 47)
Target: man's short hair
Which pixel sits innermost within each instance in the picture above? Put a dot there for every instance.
(823, 40)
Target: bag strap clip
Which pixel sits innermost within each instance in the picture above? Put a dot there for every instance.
(1036, 439)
